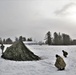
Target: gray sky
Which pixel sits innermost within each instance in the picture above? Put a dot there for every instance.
(34, 18)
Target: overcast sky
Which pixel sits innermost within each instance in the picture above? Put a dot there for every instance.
(34, 18)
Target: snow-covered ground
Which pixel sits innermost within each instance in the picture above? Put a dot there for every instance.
(41, 67)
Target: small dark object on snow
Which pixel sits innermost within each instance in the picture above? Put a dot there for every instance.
(19, 52)
(60, 63)
(64, 53)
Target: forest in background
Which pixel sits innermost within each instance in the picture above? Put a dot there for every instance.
(56, 39)
(59, 39)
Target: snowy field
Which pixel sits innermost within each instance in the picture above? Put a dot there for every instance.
(41, 67)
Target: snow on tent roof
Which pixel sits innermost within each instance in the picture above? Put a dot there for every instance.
(19, 52)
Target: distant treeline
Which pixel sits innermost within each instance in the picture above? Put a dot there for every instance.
(59, 39)
(10, 41)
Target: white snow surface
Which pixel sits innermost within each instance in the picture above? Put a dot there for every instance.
(45, 66)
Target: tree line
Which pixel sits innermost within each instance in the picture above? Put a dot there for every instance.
(10, 41)
(59, 39)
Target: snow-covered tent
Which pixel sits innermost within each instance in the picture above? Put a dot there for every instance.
(19, 52)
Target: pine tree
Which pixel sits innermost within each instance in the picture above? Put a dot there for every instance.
(66, 39)
(56, 38)
(48, 38)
